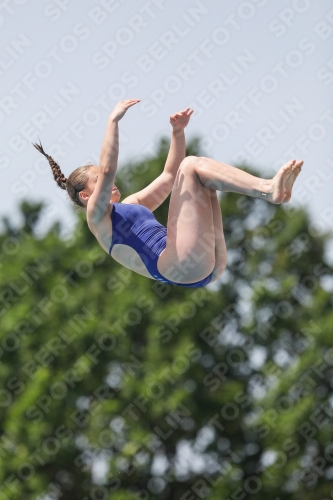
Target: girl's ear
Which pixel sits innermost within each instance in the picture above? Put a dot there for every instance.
(84, 196)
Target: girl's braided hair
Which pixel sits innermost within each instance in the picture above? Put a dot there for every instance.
(75, 183)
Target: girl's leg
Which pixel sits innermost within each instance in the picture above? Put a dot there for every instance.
(224, 177)
(189, 255)
(220, 246)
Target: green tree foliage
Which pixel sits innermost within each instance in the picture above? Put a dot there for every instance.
(114, 386)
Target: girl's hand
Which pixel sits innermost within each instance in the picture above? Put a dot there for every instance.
(180, 120)
(121, 108)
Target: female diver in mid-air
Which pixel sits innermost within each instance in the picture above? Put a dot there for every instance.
(191, 252)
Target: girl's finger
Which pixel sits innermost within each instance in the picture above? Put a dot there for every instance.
(129, 104)
(132, 101)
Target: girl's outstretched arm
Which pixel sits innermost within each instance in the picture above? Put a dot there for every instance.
(100, 198)
(177, 145)
(157, 191)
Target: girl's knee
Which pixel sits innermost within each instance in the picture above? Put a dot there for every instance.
(190, 164)
(199, 167)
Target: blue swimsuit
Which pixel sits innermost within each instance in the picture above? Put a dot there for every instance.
(134, 225)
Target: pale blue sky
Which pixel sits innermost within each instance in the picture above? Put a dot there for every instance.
(258, 73)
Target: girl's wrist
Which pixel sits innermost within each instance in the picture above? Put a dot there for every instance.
(179, 131)
(113, 118)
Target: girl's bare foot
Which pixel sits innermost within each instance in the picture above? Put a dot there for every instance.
(296, 168)
(274, 190)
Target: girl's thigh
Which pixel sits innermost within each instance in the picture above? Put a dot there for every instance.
(189, 255)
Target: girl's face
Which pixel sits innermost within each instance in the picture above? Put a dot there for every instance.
(91, 183)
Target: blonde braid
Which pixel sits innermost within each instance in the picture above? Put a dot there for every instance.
(57, 173)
